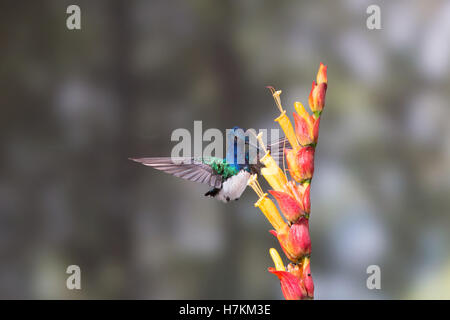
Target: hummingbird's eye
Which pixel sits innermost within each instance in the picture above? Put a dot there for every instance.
(309, 274)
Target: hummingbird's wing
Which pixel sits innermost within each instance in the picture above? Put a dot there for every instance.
(186, 168)
(276, 149)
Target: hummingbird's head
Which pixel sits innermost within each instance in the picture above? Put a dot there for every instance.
(236, 149)
(239, 133)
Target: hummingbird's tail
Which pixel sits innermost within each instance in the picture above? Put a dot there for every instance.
(212, 193)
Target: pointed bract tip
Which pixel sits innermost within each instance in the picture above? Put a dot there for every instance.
(274, 233)
(322, 74)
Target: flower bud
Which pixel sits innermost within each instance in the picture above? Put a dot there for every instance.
(317, 96)
(300, 163)
(322, 74)
(291, 160)
(305, 162)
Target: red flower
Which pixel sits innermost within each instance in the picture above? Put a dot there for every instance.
(295, 240)
(300, 163)
(296, 282)
(301, 193)
(306, 127)
(291, 286)
(291, 208)
(305, 161)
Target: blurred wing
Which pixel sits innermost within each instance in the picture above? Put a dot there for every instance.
(276, 149)
(186, 168)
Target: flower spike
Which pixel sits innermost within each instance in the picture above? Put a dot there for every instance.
(293, 197)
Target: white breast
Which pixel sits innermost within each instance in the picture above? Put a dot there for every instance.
(233, 187)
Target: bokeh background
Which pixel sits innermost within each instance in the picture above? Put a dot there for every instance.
(76, 104)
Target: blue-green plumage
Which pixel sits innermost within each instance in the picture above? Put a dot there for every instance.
(221, 167)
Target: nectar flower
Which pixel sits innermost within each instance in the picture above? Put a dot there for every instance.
(306, 126)
(272, 172)
(291, 283)
(301, 163)
(295, 240)
(301, 193)
(290, 207)
(283, 119)
(266, 205)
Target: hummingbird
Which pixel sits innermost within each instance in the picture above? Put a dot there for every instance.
(226, 176)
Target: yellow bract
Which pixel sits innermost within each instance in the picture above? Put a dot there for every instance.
(283, 120)
(273, 173)
(301, 111)
(294, 169)
(275, 177)
(279, 266)
(269, 209)
(288, 129)
(266, 205)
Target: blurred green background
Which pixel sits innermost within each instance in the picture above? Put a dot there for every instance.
(76, 104)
